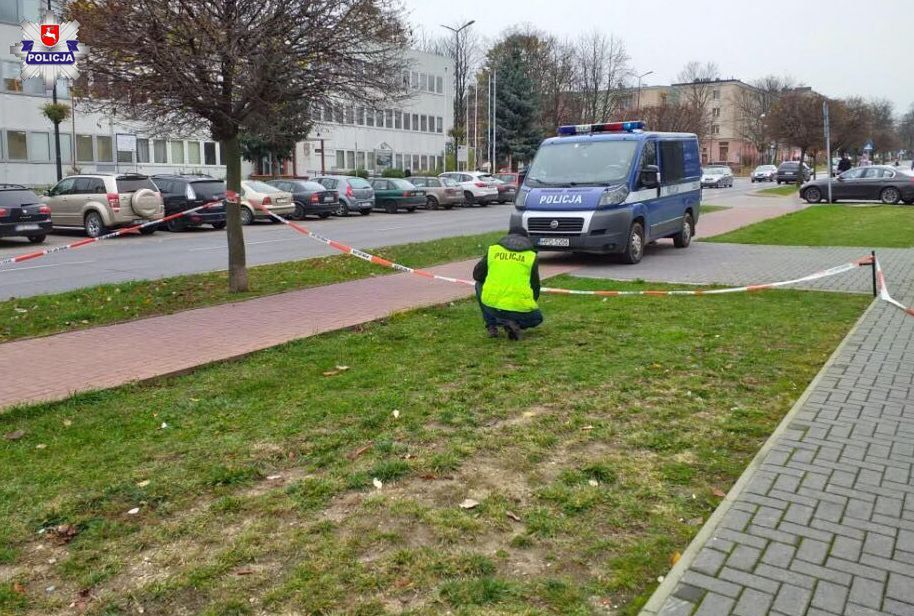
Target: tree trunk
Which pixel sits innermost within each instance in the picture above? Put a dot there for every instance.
(238, 272)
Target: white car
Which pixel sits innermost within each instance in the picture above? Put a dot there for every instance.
(255, 194)
(477, 186)
(716, 177)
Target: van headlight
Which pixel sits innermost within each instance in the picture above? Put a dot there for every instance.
(520, 200)
(614, 196)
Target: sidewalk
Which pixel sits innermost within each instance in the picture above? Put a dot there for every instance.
(60, 365)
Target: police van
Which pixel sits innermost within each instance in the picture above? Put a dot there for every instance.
(611, 189)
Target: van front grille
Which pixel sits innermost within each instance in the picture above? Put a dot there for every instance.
(555, 225)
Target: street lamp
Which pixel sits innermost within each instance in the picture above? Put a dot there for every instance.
(466, 119)
(640, 77)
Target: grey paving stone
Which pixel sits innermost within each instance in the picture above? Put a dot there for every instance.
(753, 603)
(715, 605)
(692, 594)
(828, 596)
(897, 608)
(744, 557)
(813, 551)
(676, 607)
(906, 540)
(712, 584)
(708, 561)
(749, 580)
(900, 587)
(879, 545)
(779, 554)
(798, 514)
(846, 548)
(821, 573)
(866, 592)
(792, 600)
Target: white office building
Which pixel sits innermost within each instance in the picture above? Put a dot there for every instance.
(408, 135)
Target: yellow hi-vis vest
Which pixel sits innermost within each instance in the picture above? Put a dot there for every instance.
(507, 285)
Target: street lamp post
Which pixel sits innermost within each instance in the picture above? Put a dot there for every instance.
(640, 77)
(466, 118)
(57, 127)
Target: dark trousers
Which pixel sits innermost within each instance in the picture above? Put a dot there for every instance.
(494, 317)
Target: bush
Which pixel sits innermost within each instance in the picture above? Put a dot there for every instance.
(362, 173)
(393, 173)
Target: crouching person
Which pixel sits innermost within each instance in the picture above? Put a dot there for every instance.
(508, 285)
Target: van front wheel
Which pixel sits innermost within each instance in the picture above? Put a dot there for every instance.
(684, 237)
(634, 250)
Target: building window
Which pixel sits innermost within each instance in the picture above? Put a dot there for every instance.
(14, 11)
(415, 161)
(142, 150)
(389, 114)
(11, 80)
(398, 119)
(439, 85)
(85, 153)
(406, 121)
(40, 147)
(715, 113)
(193, 152)
(414, 80)
(369, 118)
(159, 151)
(370, 160)
(124, 157)
(715, 94)
(423, 123)
(66, 148)
(440, 124)
(415, 121)
(406, 79)
(440, 163)
(360, 116)
(715, 129)
(209, 153)
(423, 81)
(340, 159)
(177, 152)
(316, 113)
(423, 163)
(350, 159)
(105, 152)
(16, 148)
(379, 118)
(360, 160)
(350, 115)
(398, 161)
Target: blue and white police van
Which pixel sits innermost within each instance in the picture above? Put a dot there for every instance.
(611, 189)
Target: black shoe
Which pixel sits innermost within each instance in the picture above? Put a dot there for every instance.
(493, 331)
(513, 330)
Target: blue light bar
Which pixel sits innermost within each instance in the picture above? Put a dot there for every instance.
(610, 127)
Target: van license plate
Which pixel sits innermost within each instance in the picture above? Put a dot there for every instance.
(27, 227)
(554, 241)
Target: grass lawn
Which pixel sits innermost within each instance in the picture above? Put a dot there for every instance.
(779, 191)
(831, 225)
(105, 304)
(707, 209)
(594, 450)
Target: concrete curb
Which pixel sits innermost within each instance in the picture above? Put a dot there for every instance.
(671, 580)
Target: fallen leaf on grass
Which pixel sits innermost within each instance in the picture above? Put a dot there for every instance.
(336, 370)
(244, 572)
(63, 534)
(355, 454)
(513, 516)
(396, 414)
(18, 588)
(14, 436)
(377, 483)
(469, 503)
(41, 446)
(674, 558)
(429, 477)
(142, 484)
(67, 423)
(585, 428)
(273, 477)
(593, 483)
(134, 511)
(718, 493)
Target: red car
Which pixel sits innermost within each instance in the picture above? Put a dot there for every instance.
(508, 189)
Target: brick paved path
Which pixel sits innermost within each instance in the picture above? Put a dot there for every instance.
(822, 522)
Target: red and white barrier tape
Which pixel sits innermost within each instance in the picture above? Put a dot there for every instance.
(107, 236)
(834, 271)
(884, 294)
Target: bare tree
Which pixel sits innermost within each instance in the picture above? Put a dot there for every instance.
(604, 72)
(906, 130)
(797, 120)
(464, 49)
(753, 108)
(236, 65)
(672, 117)
(558, 77)
(697, 86)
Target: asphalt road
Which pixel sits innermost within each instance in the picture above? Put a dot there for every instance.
(169, 254)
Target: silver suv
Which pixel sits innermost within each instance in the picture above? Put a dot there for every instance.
(101, 201)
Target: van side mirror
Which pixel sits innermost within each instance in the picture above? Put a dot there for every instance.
(649, 176)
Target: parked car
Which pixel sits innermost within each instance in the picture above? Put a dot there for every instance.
(309, 197)
(392, 194)
(875, 183)
(716, 177)
(478, 187)
(507, 190)
(255, 193)
(439, 192)
(764, 173)
(789, 170)
(22, 214)
(354, 193)
(185, 192)
(98, 202)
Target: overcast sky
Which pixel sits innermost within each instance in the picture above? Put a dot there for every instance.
(845, 47)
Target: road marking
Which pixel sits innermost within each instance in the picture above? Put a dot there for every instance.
(22, 269)
(222, 247)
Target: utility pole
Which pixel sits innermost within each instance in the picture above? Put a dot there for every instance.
(57, 126)
(640, 77)
(457, 92)
(494, 120)
(827, 147)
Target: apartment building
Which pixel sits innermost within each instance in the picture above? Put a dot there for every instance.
(724, 142)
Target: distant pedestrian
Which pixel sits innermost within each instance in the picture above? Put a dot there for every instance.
(508, 285)
(844, 164)
(864, 161)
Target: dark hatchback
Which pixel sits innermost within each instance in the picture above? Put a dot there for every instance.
(185, 192)
(788, 172)
(309, 197)
(875, 183)
(22, 214)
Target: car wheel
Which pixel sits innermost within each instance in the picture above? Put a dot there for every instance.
(247, 216)
(411, 209)
(299, 213)
(342, 209)
(149, 230)
(449, 206)
(218, 225)
(634, 250)
(684, 237)
(94, 225)
(908, 201)
(468, 197)
(174, 225)
(324, 215)
(390, 207)
(431, 203)
(37, 239)
(812, 195)
(890, 195)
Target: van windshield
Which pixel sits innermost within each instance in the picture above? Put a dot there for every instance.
(588, 163)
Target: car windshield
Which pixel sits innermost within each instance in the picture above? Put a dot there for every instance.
(359, 183)
(133, 184)
(582, 163)
(712, 171)
(312, 186)
(766, 168)
(13, 198)
(262, 187)
(789, 165)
